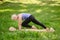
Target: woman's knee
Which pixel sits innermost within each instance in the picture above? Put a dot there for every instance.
(23, 24)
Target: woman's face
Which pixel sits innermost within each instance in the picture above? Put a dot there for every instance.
(14, 17)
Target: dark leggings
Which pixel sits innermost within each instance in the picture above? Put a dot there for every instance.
(31, 18)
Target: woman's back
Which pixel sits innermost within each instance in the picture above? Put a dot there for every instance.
(25, 15)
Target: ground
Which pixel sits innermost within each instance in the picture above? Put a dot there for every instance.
(46, 12)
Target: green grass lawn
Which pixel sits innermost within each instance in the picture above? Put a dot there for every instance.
(46, 12)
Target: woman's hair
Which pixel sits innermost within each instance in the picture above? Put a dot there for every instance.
(13, 16)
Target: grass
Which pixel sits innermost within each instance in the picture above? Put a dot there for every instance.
(47, 13)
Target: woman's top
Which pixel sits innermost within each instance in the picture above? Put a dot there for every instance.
(25, 16)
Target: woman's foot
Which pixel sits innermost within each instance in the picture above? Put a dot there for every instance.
(47, 29)
(50, 30)
(33, 27)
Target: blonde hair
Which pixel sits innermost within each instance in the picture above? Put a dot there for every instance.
(13, 16)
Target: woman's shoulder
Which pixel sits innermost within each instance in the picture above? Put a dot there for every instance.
(19, 15)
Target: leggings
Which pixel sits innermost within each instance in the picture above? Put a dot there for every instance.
(26, 22)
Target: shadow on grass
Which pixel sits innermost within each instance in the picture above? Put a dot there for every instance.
(49, 1)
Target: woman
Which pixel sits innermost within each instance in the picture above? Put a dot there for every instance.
(27, 19)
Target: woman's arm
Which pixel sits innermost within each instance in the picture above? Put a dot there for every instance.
(19, 21)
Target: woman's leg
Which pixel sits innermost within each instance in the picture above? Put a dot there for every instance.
(36, 22)
(26, 22)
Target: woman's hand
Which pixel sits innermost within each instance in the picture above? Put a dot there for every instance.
(12, 29)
